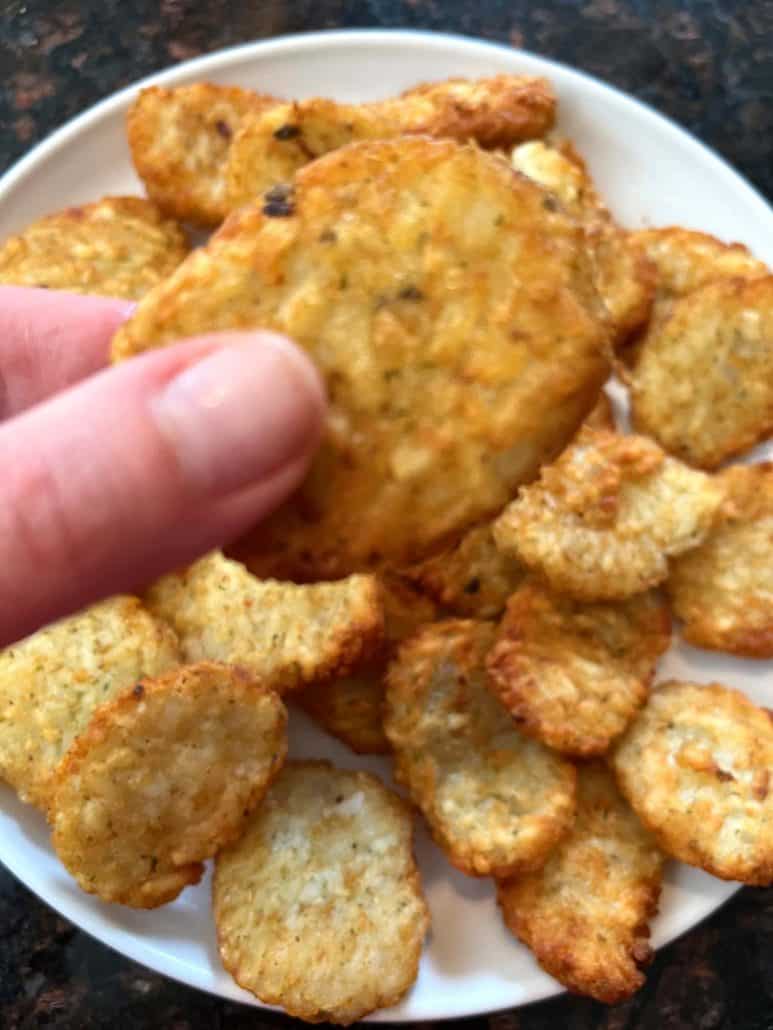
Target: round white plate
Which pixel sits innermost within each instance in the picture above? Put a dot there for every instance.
(651, 172)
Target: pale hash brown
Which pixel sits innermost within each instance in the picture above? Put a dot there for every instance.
(723, 590)
(586, 913)
(115, 247)
(495, 801)
(702, 384)
(439, 381)
(271, 146)
(697, 766)
(180, 139)
(602, 521)
(473, 578)
(164, 776)
(685, 260)
(574, 674)
(52, 682)
(286, 634)
(319, 906)
(350, 707)
(623, 274)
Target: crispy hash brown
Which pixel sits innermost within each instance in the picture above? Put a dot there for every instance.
(696, 766)
(273, 145)
(603, 520)
(702, 385)
(51, 683)
(572, 674)
(163, 777)
(473, 578)
(287, 634)
(350, 707)
(319, 906)
(624, 276)
(180, 139)
(586, 913)
(495, 801)
(115, 247)
(439, 381)
(723, 590)
(685, 260)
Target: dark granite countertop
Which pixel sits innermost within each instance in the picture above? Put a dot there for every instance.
(706, 63)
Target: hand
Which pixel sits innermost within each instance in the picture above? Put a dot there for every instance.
(112, 476)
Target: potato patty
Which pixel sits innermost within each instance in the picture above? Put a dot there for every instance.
(453, 316)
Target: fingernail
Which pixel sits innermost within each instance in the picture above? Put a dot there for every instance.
(241, 413)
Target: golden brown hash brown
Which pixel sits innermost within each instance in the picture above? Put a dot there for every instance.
(573, 674)
(51, 683)
(446, 388)
(319, 906)
(350, 707)
(586, 913)
(624, 276)
(180, 139)
(473, 578)
(274, 144)
(702, 385)
(164, 776)
(723, 590)
(496, 802)
(284, 633)
(602, 521)
(115, 247)
(685, 260)
(697, 766)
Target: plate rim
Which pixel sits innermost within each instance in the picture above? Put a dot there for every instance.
(218, 60)
(308, 40)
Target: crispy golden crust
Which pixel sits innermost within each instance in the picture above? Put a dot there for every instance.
(283, 633)
(603, 520)
(572, 674)
(163, 777)
(51, 683)
(350, 707)
(495, 801)
(685, 260)
(180, 139)
(473, 578)
(624, 276)
(319, 906)
(702, 385)
(586, 914)
(496, 112)
(273, 145)
(723, 591)
(115, 247)
(446, 389)
(697, 766)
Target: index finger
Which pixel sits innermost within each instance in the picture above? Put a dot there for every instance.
(50, 340)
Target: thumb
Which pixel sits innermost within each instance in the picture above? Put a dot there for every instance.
(147, 465)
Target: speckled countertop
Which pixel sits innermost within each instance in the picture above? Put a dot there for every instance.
(706, 63)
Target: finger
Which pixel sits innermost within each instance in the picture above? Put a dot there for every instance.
(50, 340)
(211, 527)
(147, 462)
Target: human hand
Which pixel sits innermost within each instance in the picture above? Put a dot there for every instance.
(113, 476)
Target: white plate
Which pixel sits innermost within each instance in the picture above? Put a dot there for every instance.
(651, 172)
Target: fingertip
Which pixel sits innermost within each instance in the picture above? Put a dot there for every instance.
(237, 407)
